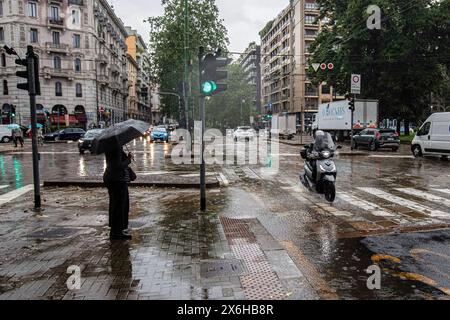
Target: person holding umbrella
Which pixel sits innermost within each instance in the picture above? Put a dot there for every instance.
(118, 174)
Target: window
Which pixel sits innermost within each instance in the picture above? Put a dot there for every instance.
(79, 90)
(310, 19)
(5, 87)
(57, 63)
(3, 62)
(2, 34)
(425, 130)
(76, 41)
(326, 89)
(58, 89)
(55, 35)
(77, 65)
(34, 36)
(54, 13)
(76, 17)
(32, 9)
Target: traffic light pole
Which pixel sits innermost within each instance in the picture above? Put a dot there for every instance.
(34, 143)
(202, 156)
(352, 121)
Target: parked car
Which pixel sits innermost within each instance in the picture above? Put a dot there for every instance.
(374, 139)
(244, 133)
(66, 134)
(84, 144)
(5, 134)
(159, 134)
(433, 138)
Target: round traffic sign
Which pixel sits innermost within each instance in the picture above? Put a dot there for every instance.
(356, 79)
(331, 66)
(323, 66)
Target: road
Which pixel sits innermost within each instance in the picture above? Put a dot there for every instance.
(391, 210)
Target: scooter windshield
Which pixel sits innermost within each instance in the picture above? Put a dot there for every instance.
(324, 142)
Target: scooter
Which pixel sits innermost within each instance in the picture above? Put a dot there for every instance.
(323, 178)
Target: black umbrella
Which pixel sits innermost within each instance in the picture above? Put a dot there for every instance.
(119, 134)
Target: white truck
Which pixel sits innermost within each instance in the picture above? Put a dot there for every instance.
(284, 125)
(335, 117)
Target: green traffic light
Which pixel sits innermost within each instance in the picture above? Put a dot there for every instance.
(209, 87)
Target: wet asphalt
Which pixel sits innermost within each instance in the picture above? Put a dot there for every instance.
(406, 235)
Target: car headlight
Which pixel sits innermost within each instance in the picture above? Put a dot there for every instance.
(80, 141)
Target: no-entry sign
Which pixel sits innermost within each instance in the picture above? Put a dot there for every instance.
(356, 84)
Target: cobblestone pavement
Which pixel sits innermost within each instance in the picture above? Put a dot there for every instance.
(176, 252)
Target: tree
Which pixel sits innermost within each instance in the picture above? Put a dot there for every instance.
(205, 28)
(224, 109)
(400, 64)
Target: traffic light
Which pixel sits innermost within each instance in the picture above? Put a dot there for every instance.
(352, 104)
(12, 113)
(211, 72)
(25, 74)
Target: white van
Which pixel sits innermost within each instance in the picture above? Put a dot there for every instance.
(433, 137)
(5, 134)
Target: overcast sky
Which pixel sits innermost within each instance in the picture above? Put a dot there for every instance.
(243, 18)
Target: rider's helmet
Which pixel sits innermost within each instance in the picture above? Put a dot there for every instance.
(319, 133)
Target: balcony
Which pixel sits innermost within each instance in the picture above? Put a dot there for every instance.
(103, 79)
(311, 7)
(115, 69)
(58, 73)
(103, 58)
(76, 2)
(312, 93)
(58, 48)
(55, 23)
(116, 86)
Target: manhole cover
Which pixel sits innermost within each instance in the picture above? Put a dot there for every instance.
(54, 233)
(221, 268)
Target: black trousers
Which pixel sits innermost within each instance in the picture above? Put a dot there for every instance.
(119, 206)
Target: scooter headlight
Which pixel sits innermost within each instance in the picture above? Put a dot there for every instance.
(325, 154)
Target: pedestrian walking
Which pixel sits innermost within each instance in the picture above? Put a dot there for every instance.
(17, 135)
(117, 176)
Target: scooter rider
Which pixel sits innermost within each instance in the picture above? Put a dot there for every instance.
(312, 153)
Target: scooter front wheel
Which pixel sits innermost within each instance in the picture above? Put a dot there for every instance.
(330, 191)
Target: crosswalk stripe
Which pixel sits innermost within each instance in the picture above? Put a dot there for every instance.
(447, 191)
(425, 195)
(373, 208)
(406, 203)
(249, 173)
(7, 197)
(3, 187)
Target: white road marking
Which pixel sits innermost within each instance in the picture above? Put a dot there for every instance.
(425, 195)
(391, 156)
(373, 208)
(249, 173)
(224, 179)
(406, 203)
(7, 197)
(3, 187)
(447, 191)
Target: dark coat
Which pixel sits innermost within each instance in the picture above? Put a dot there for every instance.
(117, 164)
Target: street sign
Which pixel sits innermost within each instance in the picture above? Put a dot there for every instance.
(316, 66)
(323, 66)
(330, 66)
(356, 84)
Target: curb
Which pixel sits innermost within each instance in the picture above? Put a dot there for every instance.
(100, 184)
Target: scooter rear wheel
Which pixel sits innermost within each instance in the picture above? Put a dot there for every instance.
(330, 191)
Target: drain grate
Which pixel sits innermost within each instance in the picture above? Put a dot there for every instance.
(221, 268)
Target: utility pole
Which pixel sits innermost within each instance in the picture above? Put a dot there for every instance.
(201, 52)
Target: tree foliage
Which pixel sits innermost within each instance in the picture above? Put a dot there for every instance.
(401, 64)
(205, 28)
(223, 111)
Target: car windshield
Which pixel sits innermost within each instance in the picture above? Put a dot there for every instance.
(160, 130)
(244, 128)
(324, 142)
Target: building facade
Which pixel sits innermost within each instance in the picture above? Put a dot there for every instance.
(139, 104)
(250, 61)
(285, 59)
(82, 52)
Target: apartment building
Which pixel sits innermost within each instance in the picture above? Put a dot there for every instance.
(285, 43)
(139, 103)
(250, 61)
(82, 51)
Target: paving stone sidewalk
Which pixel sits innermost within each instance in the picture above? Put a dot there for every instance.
(176, 252)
